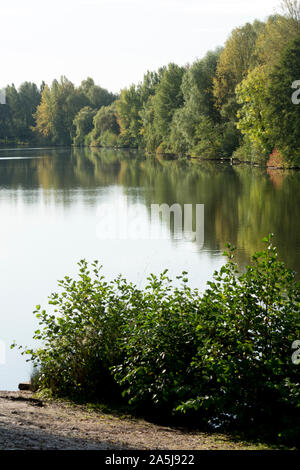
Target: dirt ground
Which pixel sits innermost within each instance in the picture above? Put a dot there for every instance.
(30, 423)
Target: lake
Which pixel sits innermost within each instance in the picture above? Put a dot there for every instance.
(61, 205)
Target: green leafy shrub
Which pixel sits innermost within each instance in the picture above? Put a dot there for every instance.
(159, 344)
(220, 357)
(243, 367)
(250, 152)
(80, 338)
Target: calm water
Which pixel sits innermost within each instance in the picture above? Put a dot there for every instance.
(51, 202)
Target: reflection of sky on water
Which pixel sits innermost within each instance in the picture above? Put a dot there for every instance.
(42, 239)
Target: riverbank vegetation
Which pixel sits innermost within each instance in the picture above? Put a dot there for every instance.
(222, 358)
(234, 102)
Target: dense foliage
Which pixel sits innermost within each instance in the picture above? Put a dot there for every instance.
(17, 114)
(235, 101)
(224, 356)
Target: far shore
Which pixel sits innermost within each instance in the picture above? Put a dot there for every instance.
(168, 156)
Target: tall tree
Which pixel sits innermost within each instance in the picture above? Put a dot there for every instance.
(269, 116)
(58, 108)
(283, 112)
(96, 95)
(235, 61)
(197, 88)
(129, 107)
(105, 123)
(252, 95)
(167, 99)
(83, 123)
(29, 99)
(280, 30)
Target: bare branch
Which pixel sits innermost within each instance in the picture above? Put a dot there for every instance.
(291, 9)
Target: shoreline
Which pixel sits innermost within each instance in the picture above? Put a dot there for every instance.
(229, 160)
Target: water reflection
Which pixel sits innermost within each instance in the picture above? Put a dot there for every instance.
(49, 200)
(242, 204)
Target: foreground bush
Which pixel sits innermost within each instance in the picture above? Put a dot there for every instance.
(221, 357)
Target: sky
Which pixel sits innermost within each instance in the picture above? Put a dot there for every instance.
(113, 41)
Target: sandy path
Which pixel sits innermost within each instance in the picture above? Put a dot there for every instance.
(27, 423)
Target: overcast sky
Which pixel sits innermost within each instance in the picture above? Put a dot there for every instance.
(113, 41)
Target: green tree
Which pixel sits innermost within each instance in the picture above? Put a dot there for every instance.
(197, 88)
(150, 137)
(44, 113)
(129, 107)
(167, 99)
(283, 118)
(235, 61)
(97, 96)
(268, 116)
(280, 30)
(57, 110)
(29, 99)
(252, 95)
(83, 123)
(5, 123)
(105, 126)
(17, 113)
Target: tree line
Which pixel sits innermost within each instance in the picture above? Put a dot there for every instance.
(236, 101)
